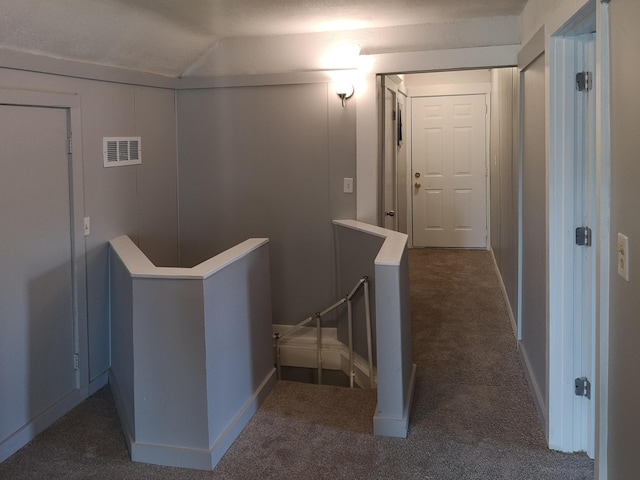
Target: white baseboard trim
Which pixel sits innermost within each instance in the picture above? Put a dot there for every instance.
(300, 350)
(538, 399)
(28, 432)
(512, 317)
(396, 427)
(196, 458)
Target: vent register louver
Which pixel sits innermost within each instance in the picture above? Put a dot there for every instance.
(120, 151)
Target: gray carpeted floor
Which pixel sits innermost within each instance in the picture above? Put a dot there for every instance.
(473, 416)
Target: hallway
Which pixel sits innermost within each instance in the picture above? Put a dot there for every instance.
(472, 418)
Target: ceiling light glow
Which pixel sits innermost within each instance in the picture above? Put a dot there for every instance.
(340, 57)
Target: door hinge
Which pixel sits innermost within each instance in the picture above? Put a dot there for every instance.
(76, 361)
(583, 387)
(583, 236)
(584, 81)
(69, 146)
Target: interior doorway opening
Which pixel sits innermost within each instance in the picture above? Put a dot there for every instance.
(437, 179)
(578, 194)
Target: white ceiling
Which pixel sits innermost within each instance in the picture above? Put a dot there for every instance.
(169, 36)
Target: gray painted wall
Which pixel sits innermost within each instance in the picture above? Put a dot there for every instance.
(268, 162)
(107, 112)
(121, 378)
(357, 244)
(504, 160)
(495, 160)
(192, 352)
(356, 252)
(169, 363)
(534, 231)
(396, 370)
(238, 336)
(624, 390)
(135, 200)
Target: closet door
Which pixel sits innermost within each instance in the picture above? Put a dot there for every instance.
(37, 331)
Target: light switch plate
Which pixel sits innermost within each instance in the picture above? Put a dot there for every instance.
(623, 256)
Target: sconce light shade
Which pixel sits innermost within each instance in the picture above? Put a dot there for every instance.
(344, 90)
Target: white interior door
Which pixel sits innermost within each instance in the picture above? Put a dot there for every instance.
(37, 340)
(448, 151)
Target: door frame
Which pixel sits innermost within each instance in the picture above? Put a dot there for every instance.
(564, 432)
(72, 104)
(568, 414)
(446, 91)
(392, 84)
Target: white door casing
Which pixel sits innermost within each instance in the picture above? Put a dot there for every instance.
(585, 257)
(449, 172)
(573, 269)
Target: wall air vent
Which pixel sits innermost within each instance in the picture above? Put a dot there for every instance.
(120, 151)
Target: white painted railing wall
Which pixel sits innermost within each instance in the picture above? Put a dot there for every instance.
(359, 246)
(192, 354)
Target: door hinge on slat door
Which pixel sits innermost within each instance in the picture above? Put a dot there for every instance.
(69, 146)
(584, 81)
(583, 236)
(76, 361)
(583, 387)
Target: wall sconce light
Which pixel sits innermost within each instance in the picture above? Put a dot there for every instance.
(344, 90)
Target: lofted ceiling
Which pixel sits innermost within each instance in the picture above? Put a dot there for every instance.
(170, 37)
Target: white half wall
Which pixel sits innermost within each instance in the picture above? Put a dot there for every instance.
(394, 354)
(192, 351)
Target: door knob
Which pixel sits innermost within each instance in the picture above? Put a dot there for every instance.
(417, 174)
(418, 185)
(390, 213)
